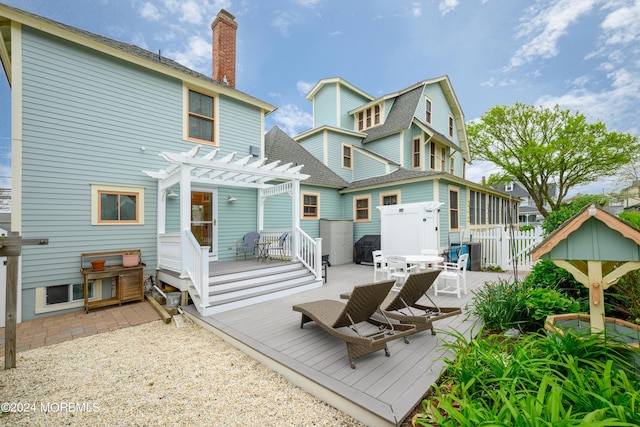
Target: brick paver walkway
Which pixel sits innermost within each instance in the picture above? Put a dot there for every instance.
(77, 324)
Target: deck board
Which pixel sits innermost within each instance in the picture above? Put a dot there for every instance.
(388, 387)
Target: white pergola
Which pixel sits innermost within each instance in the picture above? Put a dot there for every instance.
(186, 169)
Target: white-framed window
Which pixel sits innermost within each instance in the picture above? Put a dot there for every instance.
(454, 214)
(347, 156)
(451, 126)
(392, 198)
(369, 117)
(310, 205)
(117, 204)
(62, 297)
(415, 156)
(508, 187)
(427, 110)
(200, 116)
(362, 208)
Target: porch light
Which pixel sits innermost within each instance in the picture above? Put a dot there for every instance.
(172, 195)
(231, 199)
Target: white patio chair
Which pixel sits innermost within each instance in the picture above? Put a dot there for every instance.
(453, 271)
(379, 266)
(399, 270)
(433, 265)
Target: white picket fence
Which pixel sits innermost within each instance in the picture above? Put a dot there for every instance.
(507, 248)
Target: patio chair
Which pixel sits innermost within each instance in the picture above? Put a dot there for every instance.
(248, 244)
(453, 271)
(348, 321)
(399, 269)
(379, 266)
(403, 306)
(279, 248)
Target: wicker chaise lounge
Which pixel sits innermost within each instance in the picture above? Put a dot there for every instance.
(403, 305)
(349, 320)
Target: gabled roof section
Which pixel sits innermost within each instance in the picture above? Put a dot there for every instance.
(591, 234)
(399, 176)
(339, 81)
(121, 50)
(280, 146)
(309, 132)
(399, 118)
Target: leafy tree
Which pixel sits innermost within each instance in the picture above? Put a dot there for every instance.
(543, 148)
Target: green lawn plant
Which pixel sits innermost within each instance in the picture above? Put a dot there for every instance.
(535, 380)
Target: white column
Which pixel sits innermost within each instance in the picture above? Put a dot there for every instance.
(185, 213)
(260, 210)
(295, 205)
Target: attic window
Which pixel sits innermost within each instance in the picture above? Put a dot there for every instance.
(427, 110)
(451, 126)
(369, 117)
(508, 187)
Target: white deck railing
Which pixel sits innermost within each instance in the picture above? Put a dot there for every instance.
(310, 253)
(169, 252)
(196, 267)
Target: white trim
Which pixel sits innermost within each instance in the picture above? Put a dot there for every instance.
(16, 128)
(41, 298)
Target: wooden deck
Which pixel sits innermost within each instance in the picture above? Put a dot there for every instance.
(381, 391)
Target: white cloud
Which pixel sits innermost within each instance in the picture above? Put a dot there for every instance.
(150, 11)
(622, 26)
(308, 3)
(478, 169)
(543, 25)
(616, 105)
(304, 87)
(196, 55)
(283, 20)
(292, 120)
(447, 6)
(416, 10)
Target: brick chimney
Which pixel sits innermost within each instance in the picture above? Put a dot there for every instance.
(224, 48)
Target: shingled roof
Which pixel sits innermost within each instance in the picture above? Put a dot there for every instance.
(397, 176)
(400, 116)
(280, 146)
(134, 50)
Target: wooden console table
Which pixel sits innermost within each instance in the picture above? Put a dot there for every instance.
(128, 280)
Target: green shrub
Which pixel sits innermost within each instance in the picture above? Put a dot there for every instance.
(533, 381)
(633, 218)
(500, 305)
(543, 302)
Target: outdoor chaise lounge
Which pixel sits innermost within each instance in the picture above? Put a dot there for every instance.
(403, 305)
(349, 320)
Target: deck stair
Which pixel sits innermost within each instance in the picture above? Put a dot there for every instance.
(228, 291)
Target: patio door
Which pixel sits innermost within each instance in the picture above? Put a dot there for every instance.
(204, 221)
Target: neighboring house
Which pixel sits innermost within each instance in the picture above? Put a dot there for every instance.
(115, 147)
(528, 212)
(631, 196)
(406, 147)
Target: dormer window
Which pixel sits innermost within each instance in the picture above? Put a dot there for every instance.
(508, 187)
(369, 117)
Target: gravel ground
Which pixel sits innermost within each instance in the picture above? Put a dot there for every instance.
(153, 375)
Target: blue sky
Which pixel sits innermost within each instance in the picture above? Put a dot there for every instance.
(581, 54)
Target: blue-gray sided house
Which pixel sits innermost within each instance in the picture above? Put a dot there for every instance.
(403, 148)
(115, 147)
